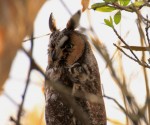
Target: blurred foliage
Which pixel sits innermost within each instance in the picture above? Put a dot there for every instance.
(85, 4)
(16, 22)
(115, 122)
(34, 117)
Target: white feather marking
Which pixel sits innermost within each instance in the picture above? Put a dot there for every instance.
(62, 40)
(54, 97)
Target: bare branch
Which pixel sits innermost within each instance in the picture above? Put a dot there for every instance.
(146, 30)
(125, 53)
(127, 46)
(37, 37)
(17, 121)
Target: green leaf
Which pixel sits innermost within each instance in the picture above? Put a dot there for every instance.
(117, 17)
(137, 3)
(105, 9)
(102, 7)
(124, 2)
(108, 22)
(107, 0)
(111, 21)
(97, 5)
(110, 1)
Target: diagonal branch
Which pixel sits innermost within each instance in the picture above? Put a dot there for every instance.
(127, 46)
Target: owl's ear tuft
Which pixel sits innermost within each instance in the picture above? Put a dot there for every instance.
(74, 21)
(52, 23)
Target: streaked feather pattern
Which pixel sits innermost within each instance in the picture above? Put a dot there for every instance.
(72, 64)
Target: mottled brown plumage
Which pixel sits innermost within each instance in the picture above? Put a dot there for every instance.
(71, 63)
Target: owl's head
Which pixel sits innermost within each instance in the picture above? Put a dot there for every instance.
(66, 46)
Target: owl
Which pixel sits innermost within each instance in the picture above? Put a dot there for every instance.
(71, 64)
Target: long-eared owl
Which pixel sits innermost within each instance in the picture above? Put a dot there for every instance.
(71, 63)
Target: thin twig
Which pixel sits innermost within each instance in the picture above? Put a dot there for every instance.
(129, 8)
(128, 96)
(37, 37)
(125, 53)
(146, 30)
(10, 99)
(102, 50)
(120, 106)
(134, 117)
(65, 6)
(140, 63)
(122, 40)
(26, 87)
(136, 58)
(143, 39)
(34, 64)
(123, 77)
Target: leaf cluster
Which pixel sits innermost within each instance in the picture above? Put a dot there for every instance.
(118, 6)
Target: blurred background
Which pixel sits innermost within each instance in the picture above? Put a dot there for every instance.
(128, 71)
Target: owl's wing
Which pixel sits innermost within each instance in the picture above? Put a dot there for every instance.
(85, 77)
(87, 93)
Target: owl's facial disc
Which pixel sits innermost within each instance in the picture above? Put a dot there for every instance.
(65, 48)
(58, 42)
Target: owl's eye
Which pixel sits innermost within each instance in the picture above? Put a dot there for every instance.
(63, 46)
(68, 46)
(53, 55)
